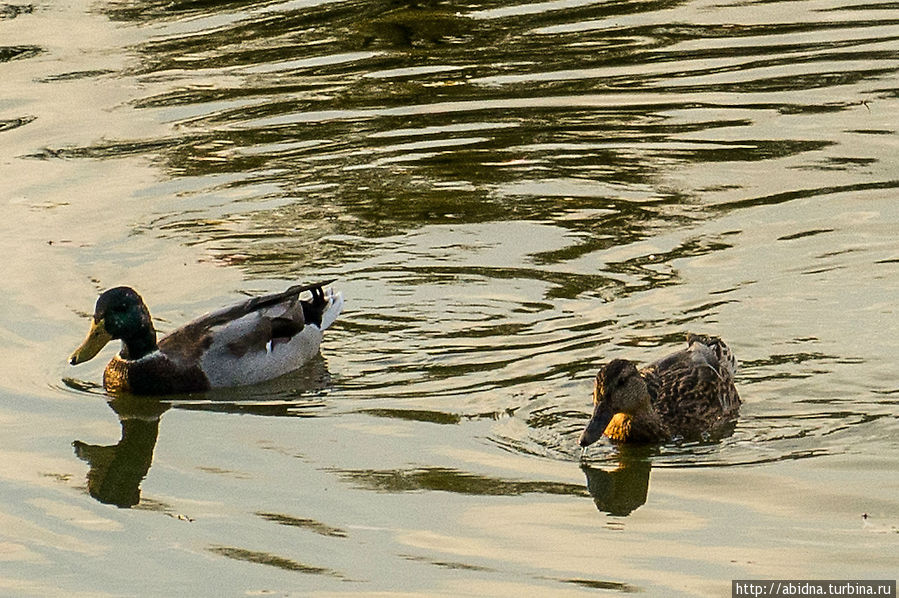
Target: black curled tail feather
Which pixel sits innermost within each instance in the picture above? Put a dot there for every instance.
(315, 307)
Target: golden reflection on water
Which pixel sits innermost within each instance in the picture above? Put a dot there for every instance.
(509, 195)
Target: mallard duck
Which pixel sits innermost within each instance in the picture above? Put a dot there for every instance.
(253, 341)
(688, 394)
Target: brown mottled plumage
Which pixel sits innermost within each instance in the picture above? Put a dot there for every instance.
(256, 340)
(688, 394)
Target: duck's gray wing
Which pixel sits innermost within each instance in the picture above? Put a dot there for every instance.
(275, 316)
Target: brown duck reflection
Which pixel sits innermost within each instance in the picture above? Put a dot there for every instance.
(117, 470)
(622, 490)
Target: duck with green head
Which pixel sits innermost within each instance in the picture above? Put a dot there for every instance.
(689, 394)
(256, 340)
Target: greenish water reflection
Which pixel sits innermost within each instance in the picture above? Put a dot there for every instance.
(448, 480)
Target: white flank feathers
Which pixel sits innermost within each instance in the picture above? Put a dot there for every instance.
(224, 368)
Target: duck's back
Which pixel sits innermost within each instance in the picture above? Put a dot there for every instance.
(256, 340)
(693, 389)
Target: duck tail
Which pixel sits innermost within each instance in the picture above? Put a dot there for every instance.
(324, 306)
(727, 361)
(332, 308)
(727, 357)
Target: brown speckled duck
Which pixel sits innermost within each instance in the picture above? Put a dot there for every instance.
(689, 394)
(256, 340)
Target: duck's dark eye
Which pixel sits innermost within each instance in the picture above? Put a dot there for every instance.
(620, 381)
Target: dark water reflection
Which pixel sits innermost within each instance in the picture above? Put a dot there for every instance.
(448, 480)
(117, 471)
(382, 115)
(621, 490)
(365, 119)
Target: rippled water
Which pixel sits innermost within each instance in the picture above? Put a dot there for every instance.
(510, 194)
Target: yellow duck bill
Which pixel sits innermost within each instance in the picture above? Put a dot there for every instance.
(97, 337)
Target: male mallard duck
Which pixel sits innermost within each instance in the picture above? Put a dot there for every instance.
(253, 341)
(689, 393)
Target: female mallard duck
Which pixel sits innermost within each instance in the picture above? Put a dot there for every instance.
(253, 341)
(690, 394)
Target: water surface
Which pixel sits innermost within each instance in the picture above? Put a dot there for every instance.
(510, 195)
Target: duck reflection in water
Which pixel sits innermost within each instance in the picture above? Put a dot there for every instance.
(116, 471)
(624, 489)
